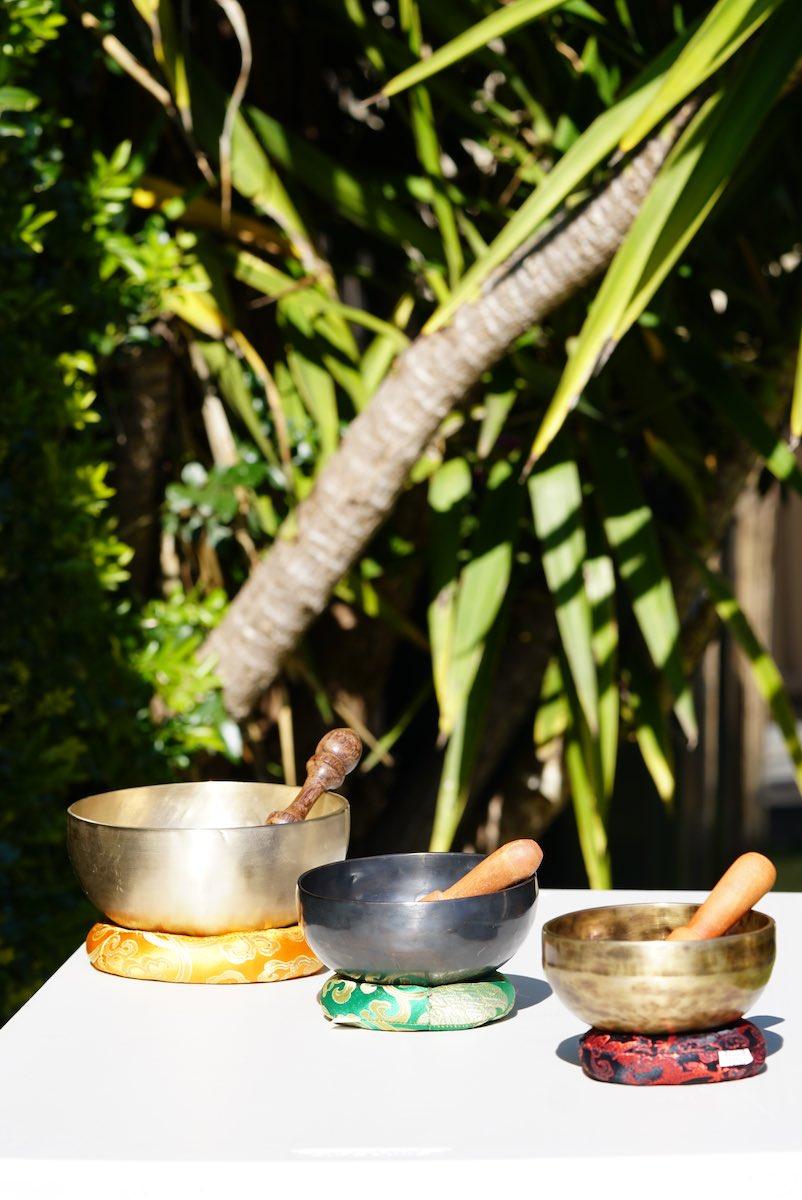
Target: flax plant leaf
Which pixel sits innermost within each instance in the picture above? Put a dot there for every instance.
(555, 492)
(630, 529)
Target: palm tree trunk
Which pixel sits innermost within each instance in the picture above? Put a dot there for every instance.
(359, 485)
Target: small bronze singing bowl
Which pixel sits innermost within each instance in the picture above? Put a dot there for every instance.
(614, 970)
(197, 858)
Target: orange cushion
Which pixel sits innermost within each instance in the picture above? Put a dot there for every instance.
(255, 956)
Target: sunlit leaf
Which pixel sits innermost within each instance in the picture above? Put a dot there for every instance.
(504, 20)
(590, 824)
(478, 616)
(589, 150)
(483, 583)
(630, 529)
(382, 351)
(316, 389)
(796, 403)
(389, 739)
(497, 406)
(358, 199)
(449, 489)
(725, 28)
(252, 173)
(765, 672)
(553, 716)
(651, 731)
(600, 588)
(555, 491)
(427, 143)
(686, 189)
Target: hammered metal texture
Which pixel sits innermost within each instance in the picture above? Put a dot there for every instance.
(614, 970)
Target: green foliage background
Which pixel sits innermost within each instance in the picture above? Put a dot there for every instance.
(74, 706)
(351, 229)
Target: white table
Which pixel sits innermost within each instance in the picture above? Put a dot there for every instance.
(103, 1071)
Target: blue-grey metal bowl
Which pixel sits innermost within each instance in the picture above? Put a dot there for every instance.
(360, 919)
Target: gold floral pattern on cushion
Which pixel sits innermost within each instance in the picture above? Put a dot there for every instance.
(257, 956)
(415, 1007)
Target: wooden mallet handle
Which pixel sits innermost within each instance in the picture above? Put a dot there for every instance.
(335, 757)
(746, 882)
(508, 865)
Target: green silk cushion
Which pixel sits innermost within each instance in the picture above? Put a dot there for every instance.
(414, 1008)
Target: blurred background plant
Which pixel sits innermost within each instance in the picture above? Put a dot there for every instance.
(229, 233)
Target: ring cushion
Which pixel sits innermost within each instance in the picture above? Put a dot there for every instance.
(253, 956)
(736, 1051)
(414, 1008)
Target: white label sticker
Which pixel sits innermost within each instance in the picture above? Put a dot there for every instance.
(734, 1058)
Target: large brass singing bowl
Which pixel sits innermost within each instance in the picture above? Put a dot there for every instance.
(614, 970)
(197, 858)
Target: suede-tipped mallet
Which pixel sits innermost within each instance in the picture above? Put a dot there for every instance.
(510, 864)
(738, 890)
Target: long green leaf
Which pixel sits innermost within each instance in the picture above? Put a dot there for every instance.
(723, 389)
(317, 391)
(765, 673)
(309, 305)
(359, 200)
(461, 751)
(449, 489)
(591, 148)
(483, 585)
(796, 403)
(587, 811)
(691, 181)
(252, 173)
(600, 587)
(651, 731)
(553, 716)
(630, 529)
(427, 143)
(386, 742)
(736, 405)
(477, 623)
(726, 27)
(497, 406)
(555, 492)
(503, 20)
(381, 353)
(231, 379)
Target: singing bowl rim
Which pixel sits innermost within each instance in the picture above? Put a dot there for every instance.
(74, 815)
(648, 984)
(637, 956)
(413, 903)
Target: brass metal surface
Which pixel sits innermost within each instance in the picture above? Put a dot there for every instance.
(614, 970)
(196, 858)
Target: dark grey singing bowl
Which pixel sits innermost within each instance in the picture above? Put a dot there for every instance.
(361, 919)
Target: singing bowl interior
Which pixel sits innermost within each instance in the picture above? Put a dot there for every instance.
(614, 970)
(360, 919)
(197, 858)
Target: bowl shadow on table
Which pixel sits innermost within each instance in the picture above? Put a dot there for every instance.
(568, 1049)
(528, 992)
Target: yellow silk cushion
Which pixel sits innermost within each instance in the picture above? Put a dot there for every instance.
(254, 956)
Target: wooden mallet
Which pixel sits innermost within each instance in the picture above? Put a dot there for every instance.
(509, 864)
(335, 757)
(738, 890)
